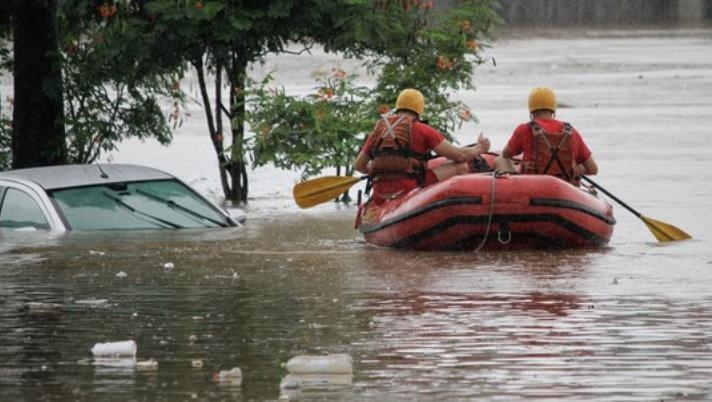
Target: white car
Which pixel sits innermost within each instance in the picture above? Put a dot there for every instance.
(104, 196)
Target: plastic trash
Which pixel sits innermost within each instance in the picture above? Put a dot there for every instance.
(114, 349)
(290, 382)
(93, 302)
(42, 307)
(147, 365)
(231, 377)
(321, 364)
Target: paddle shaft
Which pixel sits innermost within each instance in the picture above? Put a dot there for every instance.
(623, 204)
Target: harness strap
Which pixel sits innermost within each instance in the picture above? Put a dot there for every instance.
(389, 131)
(402, 150)
(538, 131)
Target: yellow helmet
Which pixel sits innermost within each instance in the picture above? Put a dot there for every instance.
(542, 98)
(411, 99)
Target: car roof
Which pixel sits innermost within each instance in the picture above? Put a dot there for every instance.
(64, 176)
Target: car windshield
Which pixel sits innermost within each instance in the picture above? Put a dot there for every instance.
(136, 205)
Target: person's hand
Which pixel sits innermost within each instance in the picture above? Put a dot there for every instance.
(483, 143)
(579, 169)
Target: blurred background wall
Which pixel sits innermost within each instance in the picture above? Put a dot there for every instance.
(601, 12)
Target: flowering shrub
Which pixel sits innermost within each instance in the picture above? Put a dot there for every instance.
(312, 132)
(435, 53)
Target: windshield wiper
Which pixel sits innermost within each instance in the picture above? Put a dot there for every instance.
(180, 208)
(123, 204)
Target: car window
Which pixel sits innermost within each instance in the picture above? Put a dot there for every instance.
(19, 210)
(136, 205)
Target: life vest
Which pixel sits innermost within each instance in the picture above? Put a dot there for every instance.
(390, 153)
(553, 153)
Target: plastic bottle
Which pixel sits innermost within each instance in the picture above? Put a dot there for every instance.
(232, 376)
(147, 365)
(115, 349)
(320, 364)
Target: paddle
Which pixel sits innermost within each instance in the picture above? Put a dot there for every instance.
(662, 231)
(316, 191)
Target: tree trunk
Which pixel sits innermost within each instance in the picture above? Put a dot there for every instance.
(214, 128)
(218, 137)
(38, 137)
(238, 168)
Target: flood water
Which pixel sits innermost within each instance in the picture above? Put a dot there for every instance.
(629, 322)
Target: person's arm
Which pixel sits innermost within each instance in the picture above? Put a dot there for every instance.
(589, 167)
(506, 153)
(462, 154)
(362, 161)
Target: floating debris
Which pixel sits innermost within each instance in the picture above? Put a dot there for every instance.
(121, 274)
(92, 252)
(147, 365)
(290, 382)
(42, 307)
(231, 377)
(114, 349)
(321, 364)
(197, 363)
(93, 302)
(169, 265)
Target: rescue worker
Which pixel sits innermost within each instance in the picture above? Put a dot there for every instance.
(395, 153)
(547, 145)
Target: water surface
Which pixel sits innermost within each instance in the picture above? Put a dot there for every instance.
(630, 321)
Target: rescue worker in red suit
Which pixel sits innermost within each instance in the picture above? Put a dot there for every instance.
(395, 154)
(547, 145)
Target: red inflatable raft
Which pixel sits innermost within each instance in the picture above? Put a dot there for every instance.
(485, 211)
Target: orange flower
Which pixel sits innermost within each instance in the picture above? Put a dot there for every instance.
(472, 44)
(107, 10)
(427, 5)
(443, 63)
(71, 48)
(199, 5)
(465, 114)
(383, 109)
(264, 130)
(338, 73)
(408, 4)
(326, 93)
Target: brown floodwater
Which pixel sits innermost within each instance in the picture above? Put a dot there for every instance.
(628, 322)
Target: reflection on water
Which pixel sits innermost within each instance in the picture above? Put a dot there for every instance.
(431, 326)
(524, 347)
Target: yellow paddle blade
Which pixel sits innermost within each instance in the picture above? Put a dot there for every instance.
(313, 192)
(665, 232)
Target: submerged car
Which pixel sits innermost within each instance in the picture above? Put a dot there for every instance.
(104, 197)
